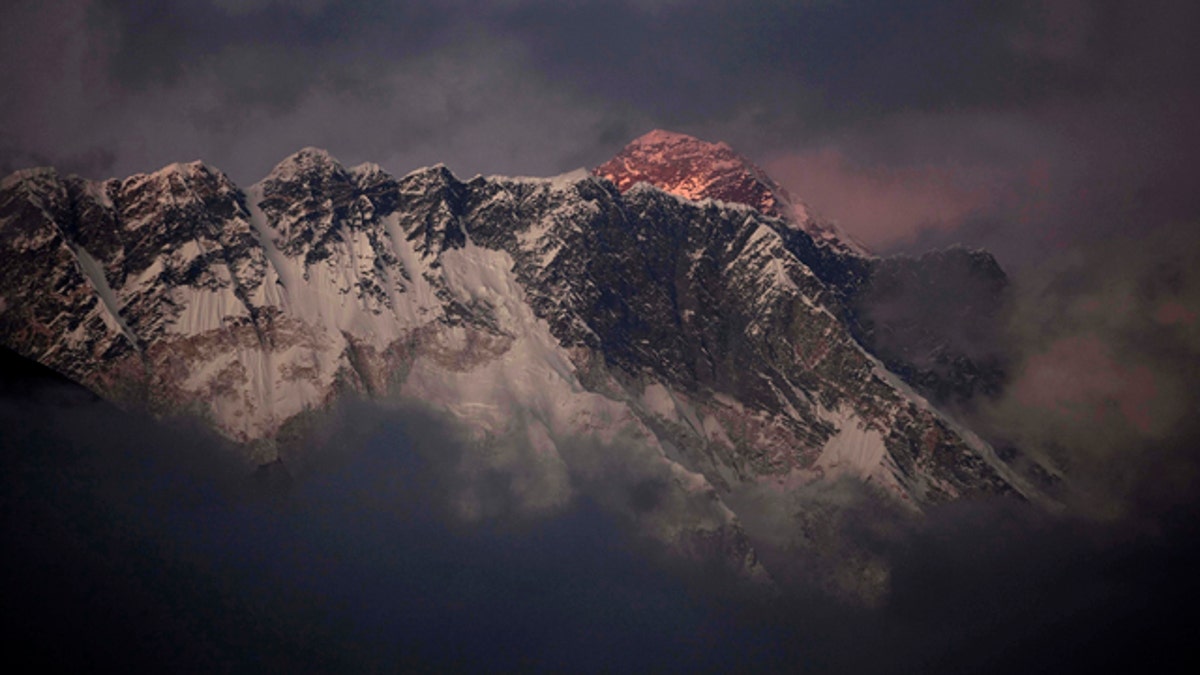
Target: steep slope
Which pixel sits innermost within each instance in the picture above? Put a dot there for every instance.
(927, 318)
(688, 351)
(702, 318)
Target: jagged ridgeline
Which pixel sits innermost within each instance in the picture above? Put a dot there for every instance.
(713, 344)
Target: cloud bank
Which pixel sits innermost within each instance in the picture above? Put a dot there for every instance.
(130, 543)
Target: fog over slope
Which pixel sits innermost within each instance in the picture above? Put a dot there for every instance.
(118, 553)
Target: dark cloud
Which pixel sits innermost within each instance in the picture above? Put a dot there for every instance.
(121, 552)
(525, 86)
(130, 543)
(405, 86)
(1024, 126)
(693, 62)
(1105, 347)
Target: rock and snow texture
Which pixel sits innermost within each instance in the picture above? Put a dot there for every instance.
(575, 330)
(694, 169)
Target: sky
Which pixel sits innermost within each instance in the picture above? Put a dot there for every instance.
(1026, 126)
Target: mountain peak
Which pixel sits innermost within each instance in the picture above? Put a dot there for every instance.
(532, 314)
(185, 170)
(660, 137)
(696, 169)
(34, 174)
(366, 169)
(435, 175)
(304, 161)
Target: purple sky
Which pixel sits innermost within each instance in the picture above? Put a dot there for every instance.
(1019, 126)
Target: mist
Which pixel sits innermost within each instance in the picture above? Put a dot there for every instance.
(1103, 347)
(131, 542)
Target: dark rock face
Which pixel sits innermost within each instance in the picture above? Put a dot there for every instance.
(935, 321)
(50, 309)
(932, 319)
(722, 342)
(713, 301)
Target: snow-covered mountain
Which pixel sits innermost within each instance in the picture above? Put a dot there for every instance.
(928, 318)
(689, 167)
(573, 327)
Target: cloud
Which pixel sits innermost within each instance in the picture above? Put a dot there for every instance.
(1056, 30)
(931, 175)
(882, 205)
(922, 177)
(1077, 377)
(1104, 342)
(142, 87)
(1013, 126)
(1027, 184)
(243, 7)
(137, 543)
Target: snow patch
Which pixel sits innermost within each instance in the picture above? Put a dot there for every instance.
(94, 272)
(855, 449)
(528, 390)
(205, 310)
(559, 182)
(366, 169)
(715, 432)
(268, 238)
(657, 399)
(99, 193)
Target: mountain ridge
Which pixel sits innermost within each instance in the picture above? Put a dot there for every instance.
(706, 343)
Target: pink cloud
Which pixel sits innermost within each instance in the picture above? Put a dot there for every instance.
(1174, 312)
(1078, 377)
(1056, 31)
(879, 204)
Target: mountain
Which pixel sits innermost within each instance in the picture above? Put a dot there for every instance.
(694, 169)
(931, 319)
(579, 333)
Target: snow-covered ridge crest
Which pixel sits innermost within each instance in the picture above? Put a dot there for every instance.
(24, 175)
(564, 179)
(305, 160)
(178, 170)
